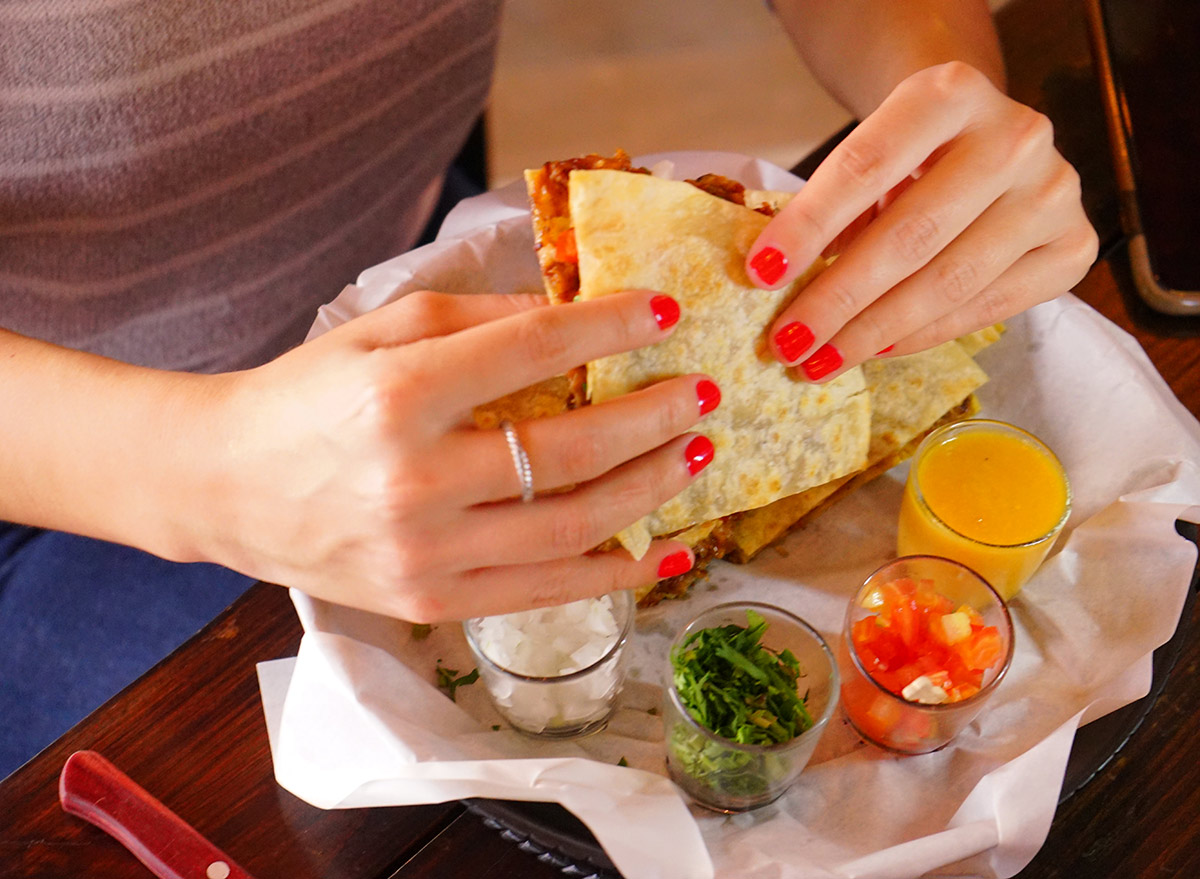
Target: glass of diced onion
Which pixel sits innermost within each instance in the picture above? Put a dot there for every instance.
(555, 671)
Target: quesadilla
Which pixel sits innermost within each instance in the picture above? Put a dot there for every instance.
(941, 398)
(787, 448)
(774, 435)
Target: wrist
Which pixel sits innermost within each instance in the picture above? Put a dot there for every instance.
(101, 448)
(218, 500)
(185, 489)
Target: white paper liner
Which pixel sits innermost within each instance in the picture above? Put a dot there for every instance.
(356, 720)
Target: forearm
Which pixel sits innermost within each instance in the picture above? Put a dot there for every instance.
(861, 49)
(98, 447)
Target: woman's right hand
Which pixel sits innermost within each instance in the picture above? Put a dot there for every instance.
(350, 467)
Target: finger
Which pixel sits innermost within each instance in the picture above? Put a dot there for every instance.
(1022, 221)
(993, 243)
(922, 221)
(926, 111)
(423, 314)
(571, 523)
(902, 239)
(843, 240)
(486, 362)
(577, 446)
(511, 588)
(1039, 276)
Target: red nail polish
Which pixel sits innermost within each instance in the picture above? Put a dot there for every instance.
(793, 340)
(698, 454)
(825, 361)
(885, 350)
(709, 395)
(666, 311)
(769, 264)
(675, 564)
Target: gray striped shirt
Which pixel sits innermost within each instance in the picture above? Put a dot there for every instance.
(183, 182)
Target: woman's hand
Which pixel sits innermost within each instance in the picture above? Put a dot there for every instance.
(949, 209)
(353, 471)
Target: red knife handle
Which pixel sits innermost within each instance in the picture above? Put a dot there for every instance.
(96, 791)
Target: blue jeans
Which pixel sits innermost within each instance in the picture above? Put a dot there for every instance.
(80, 619)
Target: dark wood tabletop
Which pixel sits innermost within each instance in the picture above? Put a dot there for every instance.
(192, 731)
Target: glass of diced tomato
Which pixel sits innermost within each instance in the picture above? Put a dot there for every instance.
(926, 643)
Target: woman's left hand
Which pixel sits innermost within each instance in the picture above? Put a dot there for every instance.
(950, 210)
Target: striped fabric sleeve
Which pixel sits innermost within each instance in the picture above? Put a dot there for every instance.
(183, 183)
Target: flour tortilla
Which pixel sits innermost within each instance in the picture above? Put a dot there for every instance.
(774, 435)
(910, 396)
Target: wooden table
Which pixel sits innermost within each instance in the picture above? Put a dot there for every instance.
(192, 729)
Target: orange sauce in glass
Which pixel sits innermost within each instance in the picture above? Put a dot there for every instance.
(987, 495)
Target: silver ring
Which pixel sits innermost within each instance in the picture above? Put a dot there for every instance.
(520, 459)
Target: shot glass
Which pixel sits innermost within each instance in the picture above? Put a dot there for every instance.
(987, 494)
(888, 719)
(727, 776)
(576, 702)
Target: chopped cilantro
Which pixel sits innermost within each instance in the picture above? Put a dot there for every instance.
(448, 679)
(495, 727)
(421, 631)
(735, 687)
(622, 762)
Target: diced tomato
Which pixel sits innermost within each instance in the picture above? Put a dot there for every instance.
(914, 727)
(872, 663)
(874, 713)
(932, 664)
(863, 630)
(940, 678)
(928, 598)
(882, 716)
(982, 650)
(894, 680)
(917, 632)
(906, 674)
(565, 249)
(961, 691)
(905, 622)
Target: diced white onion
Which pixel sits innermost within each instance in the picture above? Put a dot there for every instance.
(550, 641)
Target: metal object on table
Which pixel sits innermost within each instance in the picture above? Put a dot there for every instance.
(1145, 58)
(548, 832)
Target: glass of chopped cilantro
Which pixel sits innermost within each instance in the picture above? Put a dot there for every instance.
(751, 689)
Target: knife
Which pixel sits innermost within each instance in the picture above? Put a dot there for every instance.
(93, 789)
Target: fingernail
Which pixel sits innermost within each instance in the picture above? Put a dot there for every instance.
(793, 340)
(709, 395)
(698, 454)
(769, 264)
(675, 564)
(885, 350)
(666, 311)
(824, 361)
